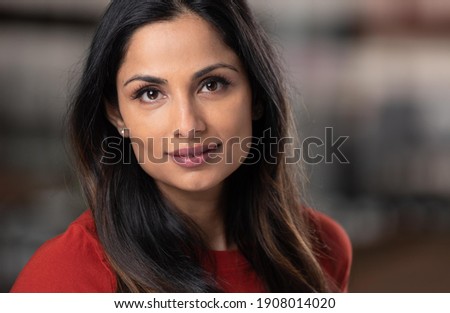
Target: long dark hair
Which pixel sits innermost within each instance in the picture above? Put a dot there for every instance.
(150, 244)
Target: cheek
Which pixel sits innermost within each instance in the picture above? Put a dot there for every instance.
(238, 132)
(235, 117)
(148, 137)
(150, 150)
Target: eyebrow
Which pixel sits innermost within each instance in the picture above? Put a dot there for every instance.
(148, 79)
(197, 75)
(213, 67)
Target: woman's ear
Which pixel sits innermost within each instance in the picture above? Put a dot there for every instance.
(115, 118)
(257, 111)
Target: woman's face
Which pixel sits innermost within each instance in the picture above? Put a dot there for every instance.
(185, 100)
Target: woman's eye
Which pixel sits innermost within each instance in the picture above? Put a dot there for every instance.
(214, 85)
(150, 95)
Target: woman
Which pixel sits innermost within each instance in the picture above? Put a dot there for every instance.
(187, 193)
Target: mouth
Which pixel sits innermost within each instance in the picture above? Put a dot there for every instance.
(194, 156)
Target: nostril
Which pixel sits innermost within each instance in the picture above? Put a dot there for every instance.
(186, 133)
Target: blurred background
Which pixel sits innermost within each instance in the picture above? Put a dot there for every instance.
(377, 71)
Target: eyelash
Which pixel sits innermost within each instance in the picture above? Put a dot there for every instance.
(141, 90)
(216, 78)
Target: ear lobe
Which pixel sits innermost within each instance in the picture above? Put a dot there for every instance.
(115, 118)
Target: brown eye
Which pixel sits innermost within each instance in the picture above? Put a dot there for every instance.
(150, 95)
(212, 86)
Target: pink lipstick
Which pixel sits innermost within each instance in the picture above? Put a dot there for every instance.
(194, 156)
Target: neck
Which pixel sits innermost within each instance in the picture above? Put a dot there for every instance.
(206, 209)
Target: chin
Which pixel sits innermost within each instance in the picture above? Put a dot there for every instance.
(204, 180)
(198, 186)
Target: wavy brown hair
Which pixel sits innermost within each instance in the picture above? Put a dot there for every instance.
(150, 244)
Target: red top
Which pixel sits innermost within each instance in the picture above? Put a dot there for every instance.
(75, 262)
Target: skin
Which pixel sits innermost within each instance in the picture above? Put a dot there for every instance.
(198, 94)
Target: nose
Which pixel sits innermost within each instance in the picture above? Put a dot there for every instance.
(190, 121)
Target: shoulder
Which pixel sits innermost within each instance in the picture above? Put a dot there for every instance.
(71, 262)
(333, 248)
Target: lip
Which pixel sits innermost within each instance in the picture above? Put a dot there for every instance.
(191, 157)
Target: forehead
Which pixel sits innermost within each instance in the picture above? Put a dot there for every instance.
(186, 42)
